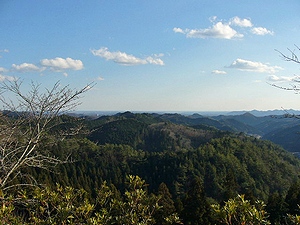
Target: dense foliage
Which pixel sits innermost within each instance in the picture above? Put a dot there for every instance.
(66, 205)
(187, 170)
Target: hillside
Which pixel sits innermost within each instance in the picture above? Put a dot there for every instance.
(279, 129)
(227, 165)
(288, 137)
(153, 132)
(174, 153)
(282, 130)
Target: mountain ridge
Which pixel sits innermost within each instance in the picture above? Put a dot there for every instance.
(269, 127)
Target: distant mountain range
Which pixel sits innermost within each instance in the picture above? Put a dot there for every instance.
(282, 129)
(258, 113)
(279, 126)
(275, 112)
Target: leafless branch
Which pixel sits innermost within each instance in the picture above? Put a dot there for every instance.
(293, 56)
(26, 122)
(295, 81)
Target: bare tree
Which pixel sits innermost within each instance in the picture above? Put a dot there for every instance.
(291, 57)
(25, 124)
(294, 85)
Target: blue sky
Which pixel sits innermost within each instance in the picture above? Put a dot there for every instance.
(155, 55)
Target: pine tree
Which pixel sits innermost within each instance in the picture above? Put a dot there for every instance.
(166, 203)
(196, 207)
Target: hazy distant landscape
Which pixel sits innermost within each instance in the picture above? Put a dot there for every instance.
(279, 126)
(257, 113)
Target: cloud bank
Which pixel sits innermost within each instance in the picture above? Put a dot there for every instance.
(57, 65)
(247, 65)
(126, 59)
(223, 30)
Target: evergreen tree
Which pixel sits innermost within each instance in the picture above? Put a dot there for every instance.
(166, 203)
(230, 185)
(293, 198)
(277, 208)
(212, 188)
(196, 207)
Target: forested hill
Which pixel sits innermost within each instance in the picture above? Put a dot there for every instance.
(173, 149)
(280, 129)
(153, 137)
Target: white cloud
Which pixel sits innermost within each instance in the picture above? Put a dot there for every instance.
(154, 60)
(2, 69)
(261, 31)
(126, 59)
(59, 64)
(26, 67)
(246, 65)
(219, 30)
(274, 78)
(178, 30)
(218, 72)
(223, 30)
(100, 78)
(212, 18)
(241, 22)
(4, 78)
(118, 57)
